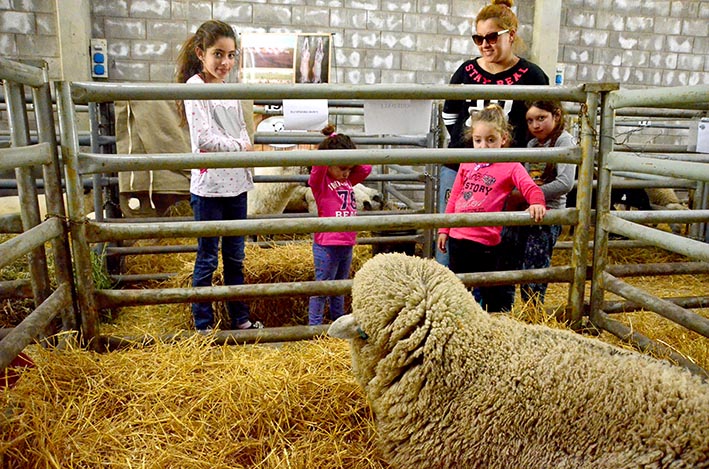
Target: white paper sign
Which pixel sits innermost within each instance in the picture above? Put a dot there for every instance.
(703, 136)
(305, 114)
(399, 117)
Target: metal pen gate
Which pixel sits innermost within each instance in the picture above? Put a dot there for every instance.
(84, 233)
(611, 160)
(95, 232)
(34, 233)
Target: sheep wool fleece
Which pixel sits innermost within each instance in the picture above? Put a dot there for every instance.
(452, 386)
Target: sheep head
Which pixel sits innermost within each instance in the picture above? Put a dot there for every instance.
(397, 300)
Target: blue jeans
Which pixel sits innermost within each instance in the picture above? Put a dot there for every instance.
(331, 263)
(445, 184)
(219, 208)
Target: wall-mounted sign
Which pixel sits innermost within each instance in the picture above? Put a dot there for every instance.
(305, 114)
(398, 117)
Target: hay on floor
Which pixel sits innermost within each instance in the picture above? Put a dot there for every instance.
(190, 405)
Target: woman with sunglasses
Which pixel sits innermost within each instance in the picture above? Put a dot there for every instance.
(496, 37)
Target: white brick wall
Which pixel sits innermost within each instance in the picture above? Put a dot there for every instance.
(637, 42)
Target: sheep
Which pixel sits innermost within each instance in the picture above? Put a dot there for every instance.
(367, 198)
(272, 197)
(451, 386)
(648, 199)
(666, 199)
(11, 204)
(639, 199)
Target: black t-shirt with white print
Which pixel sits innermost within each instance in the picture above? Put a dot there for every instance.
(456, 114)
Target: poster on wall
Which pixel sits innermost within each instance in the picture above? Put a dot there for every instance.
(267, 57)
(285, 58)
(313, 58)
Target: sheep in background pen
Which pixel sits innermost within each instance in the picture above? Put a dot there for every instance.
(639, 199)
(452, 386)
(666, 199)
(367, 198)
(272, 197)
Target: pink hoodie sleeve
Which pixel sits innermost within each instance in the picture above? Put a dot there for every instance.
(527, 187)
(359, 173)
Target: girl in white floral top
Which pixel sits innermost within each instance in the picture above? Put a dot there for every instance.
(216, 125)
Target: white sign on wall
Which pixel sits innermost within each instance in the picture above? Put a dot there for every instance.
(305, 114)
(397, 117)
(703, 136)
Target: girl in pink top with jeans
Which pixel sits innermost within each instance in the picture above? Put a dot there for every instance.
(334, 196)
(484, 187)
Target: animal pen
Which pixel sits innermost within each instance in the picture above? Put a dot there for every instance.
(76, 299)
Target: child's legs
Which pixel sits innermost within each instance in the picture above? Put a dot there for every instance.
(469, 256)
(537, 255)
(445, 183)
(207, 260)
(233, 258)
(511, 257)
(325, 269)
(499, 298)
(465, 255)
(343, 256)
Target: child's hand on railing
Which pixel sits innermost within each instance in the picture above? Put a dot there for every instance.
(537, 212)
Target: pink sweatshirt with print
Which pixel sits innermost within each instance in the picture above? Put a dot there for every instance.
(481, 187)
(336, 199)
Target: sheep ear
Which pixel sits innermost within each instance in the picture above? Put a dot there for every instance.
(344, 327)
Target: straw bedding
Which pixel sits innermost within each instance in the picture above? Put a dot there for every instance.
(189, 405)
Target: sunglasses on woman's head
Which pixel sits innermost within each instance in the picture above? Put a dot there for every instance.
(490, 38)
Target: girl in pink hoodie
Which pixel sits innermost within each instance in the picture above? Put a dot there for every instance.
(334, 196)
(484, 187)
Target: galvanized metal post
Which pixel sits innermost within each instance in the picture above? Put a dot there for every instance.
(603, 202)
(579, 253)
(26, 189)
(705, 204)
(429, 188)
(700, 200)
(77, 223)
(44, 116)
(96, 178)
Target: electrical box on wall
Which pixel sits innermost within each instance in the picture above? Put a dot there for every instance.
(99, 58)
